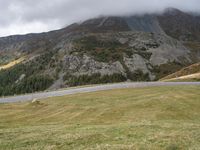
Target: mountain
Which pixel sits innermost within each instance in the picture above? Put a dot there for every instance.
(179, 25)
(100, 50)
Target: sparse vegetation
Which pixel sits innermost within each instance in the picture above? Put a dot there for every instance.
(167, 69)
(195, 50)
(144, 54)
(104, 51)
(187, 78)
(189, 73)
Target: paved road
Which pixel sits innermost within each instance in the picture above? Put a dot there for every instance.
(30, 97)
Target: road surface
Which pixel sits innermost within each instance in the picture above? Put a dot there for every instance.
(42, 95)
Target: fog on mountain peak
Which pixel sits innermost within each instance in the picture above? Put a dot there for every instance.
(25, 16)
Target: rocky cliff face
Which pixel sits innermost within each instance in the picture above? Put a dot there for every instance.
(144, 47)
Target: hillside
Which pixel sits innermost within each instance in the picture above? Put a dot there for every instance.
(100, 50)
(163, 118)
(188, 73)
(187, 78)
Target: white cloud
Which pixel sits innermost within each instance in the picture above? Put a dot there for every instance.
(24, 16)
(24, 28)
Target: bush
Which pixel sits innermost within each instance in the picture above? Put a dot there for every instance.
(138, 75)
(104, 51)
(27, 85)
(95, 79)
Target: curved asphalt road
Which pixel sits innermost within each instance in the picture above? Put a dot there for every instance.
(43, 95)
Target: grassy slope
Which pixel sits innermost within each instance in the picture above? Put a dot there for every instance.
(189, 73)
(145, 118)
(188, 78)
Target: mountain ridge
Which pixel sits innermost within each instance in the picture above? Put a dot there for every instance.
(137, 48)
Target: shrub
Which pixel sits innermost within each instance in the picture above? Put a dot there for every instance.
(104, 51)
(138, 75)
(95, 79)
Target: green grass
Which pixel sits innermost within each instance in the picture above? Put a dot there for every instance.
(145, 118)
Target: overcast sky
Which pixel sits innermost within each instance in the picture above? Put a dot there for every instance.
(27, 16)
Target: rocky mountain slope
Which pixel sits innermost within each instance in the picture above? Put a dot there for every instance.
(101, 50)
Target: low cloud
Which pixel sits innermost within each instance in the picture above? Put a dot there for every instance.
(25, 16)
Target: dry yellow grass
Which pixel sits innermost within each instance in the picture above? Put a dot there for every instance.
(13, 63)
(190, 73)
(191, 77)
(154, 118)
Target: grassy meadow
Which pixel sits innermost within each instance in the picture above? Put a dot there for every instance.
(154, 118)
